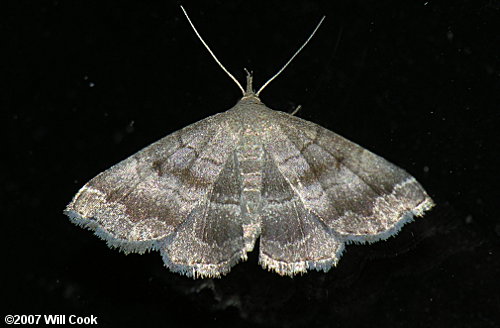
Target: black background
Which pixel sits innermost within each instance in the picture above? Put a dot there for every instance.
(87, 83)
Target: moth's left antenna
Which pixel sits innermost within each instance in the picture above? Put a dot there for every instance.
(210, 51)
(290, 60)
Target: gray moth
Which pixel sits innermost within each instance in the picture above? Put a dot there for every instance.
(204, 195)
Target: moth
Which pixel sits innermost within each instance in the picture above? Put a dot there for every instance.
(204, 195)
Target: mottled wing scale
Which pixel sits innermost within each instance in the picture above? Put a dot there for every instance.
(293, 238)
(210, 241)
(356, 193)
(321, 191)
(173, 187)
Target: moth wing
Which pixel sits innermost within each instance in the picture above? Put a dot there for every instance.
(293, 238)
(149, 200)
(357, 194)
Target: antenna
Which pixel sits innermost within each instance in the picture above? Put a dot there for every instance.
(288, 62)
(210, 51)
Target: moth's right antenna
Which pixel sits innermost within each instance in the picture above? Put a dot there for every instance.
(210, 51)
(289, 61)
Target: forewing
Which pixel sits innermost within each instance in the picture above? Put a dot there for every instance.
(356, 193)
(144, 198)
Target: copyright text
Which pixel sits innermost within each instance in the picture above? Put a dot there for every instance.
(50, 319)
